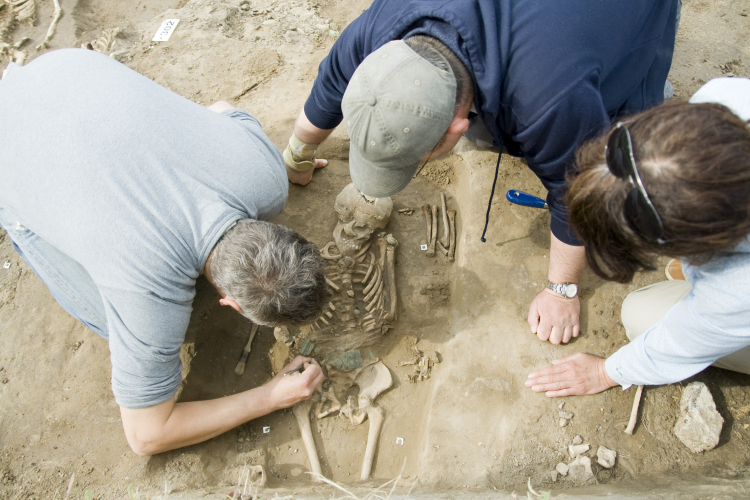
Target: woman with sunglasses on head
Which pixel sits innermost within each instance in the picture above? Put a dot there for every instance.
(671, 181)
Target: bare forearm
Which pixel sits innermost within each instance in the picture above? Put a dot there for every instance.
(167, 426)
(194, 422)
(309, 133)
(566, 262)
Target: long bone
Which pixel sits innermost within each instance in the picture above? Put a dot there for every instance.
(634, 411)
(428, 220)
(52, 26)
(434, 239)
(452, 247)
(376, 416)
(302, 414)
(390, 276)
(445, 240)
(372, 381)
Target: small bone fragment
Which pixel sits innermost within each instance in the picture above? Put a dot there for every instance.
(577, 440)
(445, 240)
(563, 422)
(376, 416)
(332, 284)
(452, 246)
(578, 449)
(434, 233)
(580, 469)
(562, 469)
(52, 26)
(634, 412)
(428, 221)
(240, 368)
(406, 211)
(566, 415)
(302, 414)
(606, 457)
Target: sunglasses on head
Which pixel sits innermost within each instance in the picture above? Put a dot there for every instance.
(639, 211)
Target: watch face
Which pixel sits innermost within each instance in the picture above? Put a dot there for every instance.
(571, 290)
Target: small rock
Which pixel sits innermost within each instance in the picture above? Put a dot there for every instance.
(580, 469)
(577, 449)
(553, 476)
(562, 469)
(561, 405)
(577, 440)
(606, 457)
(566, 415)
(563, 422)
(699, 424)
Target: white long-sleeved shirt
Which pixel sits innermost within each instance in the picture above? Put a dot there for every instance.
(713, 320)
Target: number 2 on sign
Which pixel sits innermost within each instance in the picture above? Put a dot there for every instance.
(165, 30)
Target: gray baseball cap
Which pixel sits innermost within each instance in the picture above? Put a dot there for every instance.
(396, 108)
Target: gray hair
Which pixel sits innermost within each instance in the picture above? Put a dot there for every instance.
(274, 274)
(440, 55)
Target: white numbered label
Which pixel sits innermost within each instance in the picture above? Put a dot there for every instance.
(165, 30)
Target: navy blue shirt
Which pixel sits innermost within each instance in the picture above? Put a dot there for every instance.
(548, 75)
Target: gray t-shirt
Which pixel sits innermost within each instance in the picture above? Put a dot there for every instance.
(136, 184)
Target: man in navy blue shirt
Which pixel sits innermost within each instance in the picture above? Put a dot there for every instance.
(535, 78)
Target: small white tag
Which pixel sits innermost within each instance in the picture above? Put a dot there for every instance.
(424, 247)
(266, 430)
(165, 30)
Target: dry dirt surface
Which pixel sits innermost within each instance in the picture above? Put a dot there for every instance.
(470, 429)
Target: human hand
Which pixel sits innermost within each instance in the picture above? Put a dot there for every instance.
(300, 161)
(303, 177)
(285, 391)
(554, 318)
(571, 376)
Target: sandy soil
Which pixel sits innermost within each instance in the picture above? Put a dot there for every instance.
(472, 425)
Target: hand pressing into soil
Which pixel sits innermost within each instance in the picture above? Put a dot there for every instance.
(554, 318)
(285, 391)
(572, 376)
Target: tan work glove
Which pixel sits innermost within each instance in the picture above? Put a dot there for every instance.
(298, 155)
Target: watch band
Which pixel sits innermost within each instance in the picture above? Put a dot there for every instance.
(567, 290)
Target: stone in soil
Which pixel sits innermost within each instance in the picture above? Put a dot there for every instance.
(698, 424)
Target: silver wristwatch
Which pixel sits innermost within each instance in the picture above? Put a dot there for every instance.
(568, 290)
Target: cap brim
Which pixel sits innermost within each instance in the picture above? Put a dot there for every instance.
(376, 181)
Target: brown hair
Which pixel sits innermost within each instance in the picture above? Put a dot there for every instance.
(694, 160)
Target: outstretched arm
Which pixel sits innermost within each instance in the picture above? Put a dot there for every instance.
(171, 425)
(551, 316)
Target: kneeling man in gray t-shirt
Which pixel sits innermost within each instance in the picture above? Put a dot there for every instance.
(118, 194)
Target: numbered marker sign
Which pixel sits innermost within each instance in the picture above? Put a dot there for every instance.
(165, 30)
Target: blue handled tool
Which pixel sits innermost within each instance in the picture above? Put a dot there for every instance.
(525, 199)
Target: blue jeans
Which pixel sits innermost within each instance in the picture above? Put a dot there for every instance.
(68, 281)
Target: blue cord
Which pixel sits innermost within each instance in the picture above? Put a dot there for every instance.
(492, 194)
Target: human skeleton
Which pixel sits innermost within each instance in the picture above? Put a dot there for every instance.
(362, 275)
